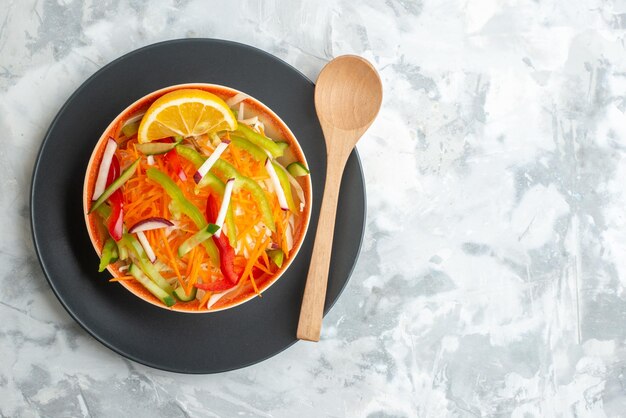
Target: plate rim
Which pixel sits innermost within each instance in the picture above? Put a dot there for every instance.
(37, 244)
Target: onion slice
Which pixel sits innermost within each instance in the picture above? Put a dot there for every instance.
(250, 121)
(206, 166)
(289, 237)
(228, 190)
(134, 119)
(280, 193)
(150, 224)
(105, 165)
(239, 97)
(146, 246)
(259, 127)
(215, 297)
(240, 113)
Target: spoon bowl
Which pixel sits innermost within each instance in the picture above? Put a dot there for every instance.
(348, 93)
(348, 96)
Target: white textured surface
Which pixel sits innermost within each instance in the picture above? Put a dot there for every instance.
(496, 178)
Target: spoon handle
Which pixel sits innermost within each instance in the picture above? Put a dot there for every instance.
(310, 323)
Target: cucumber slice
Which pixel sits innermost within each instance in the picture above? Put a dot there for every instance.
(197, 238)
(154, 148)
(145, 264)
(130, 129)
(109, 254)
(180, 294)
(159, 293)
(104, 211)
(123, 251)
(297, 169)
(277, 256)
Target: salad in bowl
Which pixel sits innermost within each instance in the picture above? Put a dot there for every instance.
(197, 198)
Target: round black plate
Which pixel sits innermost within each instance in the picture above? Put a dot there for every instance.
(186, 343)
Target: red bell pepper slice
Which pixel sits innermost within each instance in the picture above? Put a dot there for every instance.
(116, 220)
(227, 253)
(221, 285)
(172, 160)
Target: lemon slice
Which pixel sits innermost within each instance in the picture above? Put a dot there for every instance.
(185, 112)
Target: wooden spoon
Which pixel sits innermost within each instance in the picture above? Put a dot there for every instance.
(348, 95)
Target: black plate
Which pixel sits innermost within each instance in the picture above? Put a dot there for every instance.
(186, 343)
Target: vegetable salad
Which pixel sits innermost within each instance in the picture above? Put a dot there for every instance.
(203, 219)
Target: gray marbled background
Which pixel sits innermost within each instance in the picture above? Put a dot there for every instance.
(492, 279)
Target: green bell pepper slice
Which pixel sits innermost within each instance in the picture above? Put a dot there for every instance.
(213, 182)
(191, 155)
(261, 140)
(254, 150)
(277, 256)
(286, 186)
(297, 169)
(185, 206)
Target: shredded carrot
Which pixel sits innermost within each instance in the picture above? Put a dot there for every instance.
(190, 261)
(159, 163)
(256, 289)
(121, 278)
(247, 230)
(135, 154)
(155, 243)
(280, 230)
(236, 157)
(146, 190)
(240, 261)
(169, 276)
(163, 207)
(171, 256)
(193, 277)
(266, 259)
(260, 246)
(144, 201)
(262, 267)
(166, 209)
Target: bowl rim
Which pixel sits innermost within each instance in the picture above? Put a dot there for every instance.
(211, 87)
